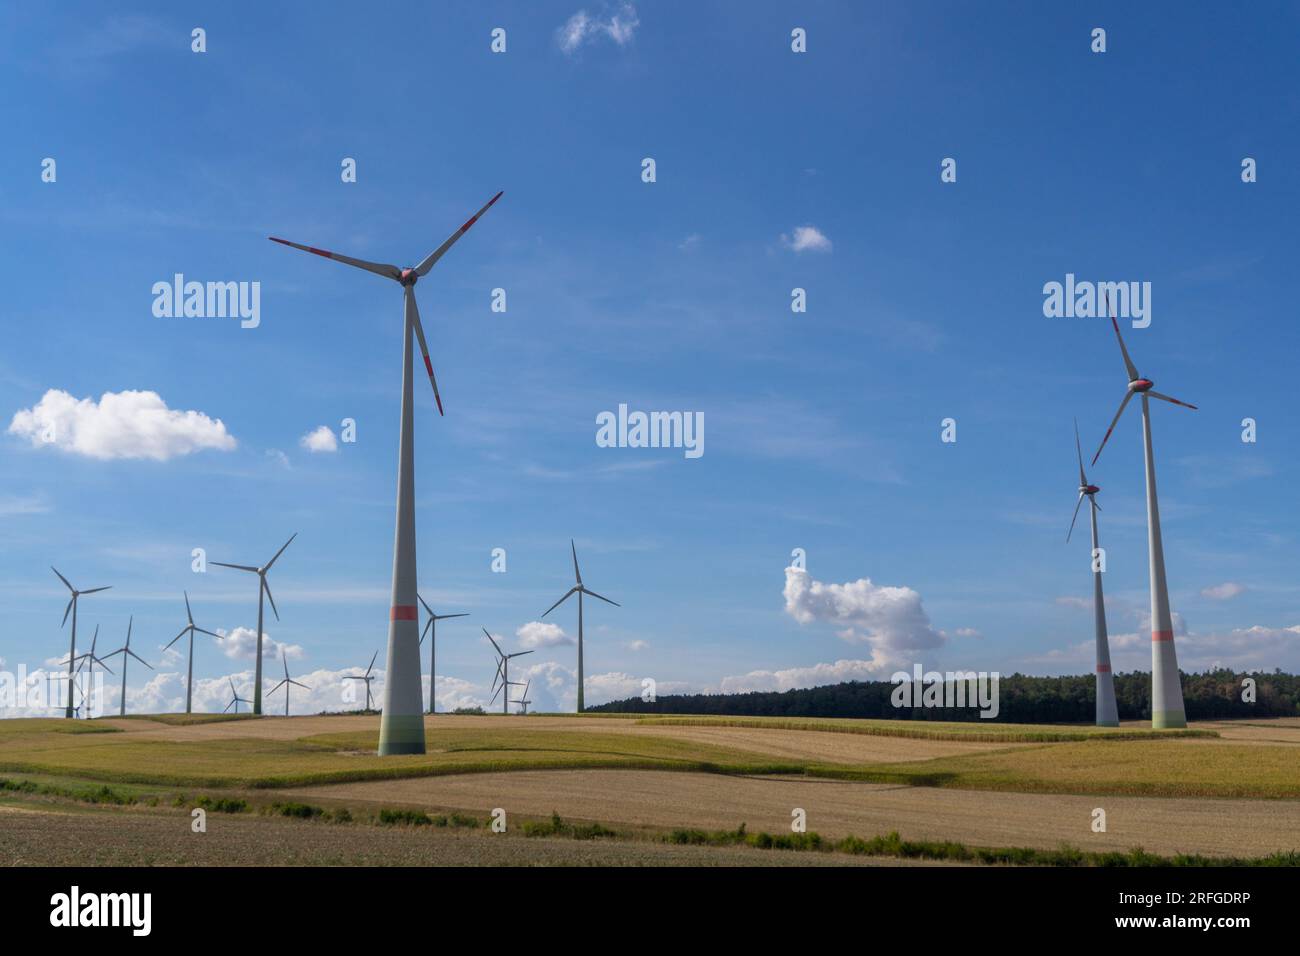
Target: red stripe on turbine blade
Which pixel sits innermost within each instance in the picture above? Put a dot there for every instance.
(402, 612)
(321, 252)
(428, 365)
(469, 222)
(1162, 636)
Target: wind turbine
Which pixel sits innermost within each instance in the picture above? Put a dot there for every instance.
(578, 589)
(524, 701)
(234, 700)
(503, 673)
(431, 629)
(262, 588)
(72, 651)
(401, 728)
(1166, 689)
(126, 653)
(367, 678)
(190, 628)
(1107, 711)
(286, 682)
(89, 660)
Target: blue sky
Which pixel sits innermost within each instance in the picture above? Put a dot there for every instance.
(822, 429)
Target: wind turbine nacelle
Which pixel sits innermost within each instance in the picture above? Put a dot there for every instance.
(1089, 489)
(408, 277)
(1140, 385)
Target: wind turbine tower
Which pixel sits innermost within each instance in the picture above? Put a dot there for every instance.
(72, 650)
(263, 588)
(127, 653)
(503, 672)
(578, 589)
(1166, 688)
(431, 631)
(401, 728)
(1107, 711)
(189, 629)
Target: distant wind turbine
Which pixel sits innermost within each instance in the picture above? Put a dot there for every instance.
(126, 652)
(431, 630)
(88, 661)
(524, 701)
(1166, 687)
(503, 673)
(367, 678)
(286, 682)
(1107, 712)
(263, 588)
(235, 699)
(578, 589)
(72, 650)
(189, 629)
(401, 729)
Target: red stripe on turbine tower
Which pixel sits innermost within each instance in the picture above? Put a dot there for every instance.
(402, 612)
(1162, 635)
(1103, 668)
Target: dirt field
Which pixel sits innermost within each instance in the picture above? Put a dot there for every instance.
(836, 809)
(153, 838)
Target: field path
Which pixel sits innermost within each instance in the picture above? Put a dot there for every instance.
(838, 808)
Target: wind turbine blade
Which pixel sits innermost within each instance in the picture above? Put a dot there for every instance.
(96, 590)
(605, 599)
(1166, 398)
(63, 579)
(67, 610)
(232, 687)
(1078, 450)
(372, 663)
(425, 633)
(498, 691)
(493, 640)
(1075, 518)
(413, 311)
(528, 685)
(518, 654)
(188, 613)
(238, 567)
(228, 706)
(184, 631)
(267, 587)
(1093, 499)
(423, 268)
(443, 617)
(209, 633)
(280, 552)
(138, 658)
(1127, 396)
(284, 659)
(296, 684)
(378, 268)
(427, 609)
(1128, 362)
(577, 575)
(129, 624)
(275, 688)
(559, 602)
(103, 665)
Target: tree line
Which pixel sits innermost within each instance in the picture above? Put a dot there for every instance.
(1023, 699)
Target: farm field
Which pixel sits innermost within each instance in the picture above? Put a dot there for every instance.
(1221, 789)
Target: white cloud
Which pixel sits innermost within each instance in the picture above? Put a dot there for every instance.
(582, 28)
(816, 675)
(968, 632)
(241, 643)
(1223, 592)
(637, 645)
(536, 634)
(889, 619)
(11, 505)
(128, 424)
(806, 239)
(320, 439)
(279, 457)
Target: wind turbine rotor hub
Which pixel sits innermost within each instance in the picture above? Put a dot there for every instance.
(408, 277)
(1089, 489)
(1140, 385)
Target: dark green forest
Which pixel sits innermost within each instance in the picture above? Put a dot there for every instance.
(1022, 699)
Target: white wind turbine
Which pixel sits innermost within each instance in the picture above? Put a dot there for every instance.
(88, 661)
(235, 698)
(72, 607)
(189, 629)
(431, 630)
(1166, 688)
(126, 652)
(287, 681)
(579, 589)
(1107, 711)
(503, 673)
(401, 728)
(263, 588)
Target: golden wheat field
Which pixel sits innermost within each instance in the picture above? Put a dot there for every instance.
(641, 791)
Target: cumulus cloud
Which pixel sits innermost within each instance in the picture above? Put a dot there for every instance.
(128, 424)
(537, 634)
(583, 28)
(888, 619)
(320, 439)
(241, 643)
(1223, 592)
(806, 239)
(813, 676)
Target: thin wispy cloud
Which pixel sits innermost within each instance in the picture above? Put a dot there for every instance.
(806, 239)
(583, 28)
